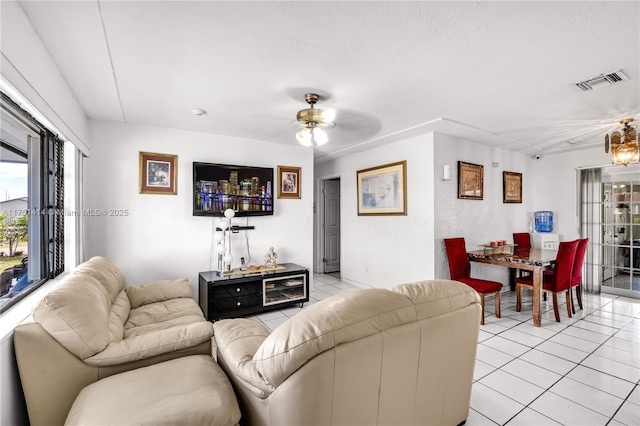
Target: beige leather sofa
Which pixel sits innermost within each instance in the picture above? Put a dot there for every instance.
(93, 325)
(401, 356)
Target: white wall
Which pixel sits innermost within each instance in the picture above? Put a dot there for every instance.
(160, 238)
(478, 221)
(26, 66)
(382, 251)
(556, 186)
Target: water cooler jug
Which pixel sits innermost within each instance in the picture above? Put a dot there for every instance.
(543, 221)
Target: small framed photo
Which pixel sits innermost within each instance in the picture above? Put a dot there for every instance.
(158, 173)
(289, 182)
(382, 190)
(512, 187)
(470, 181)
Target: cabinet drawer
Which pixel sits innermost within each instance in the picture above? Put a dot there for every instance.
(233, 303)
(235, 291)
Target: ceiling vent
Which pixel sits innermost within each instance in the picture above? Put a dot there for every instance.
(602, 80)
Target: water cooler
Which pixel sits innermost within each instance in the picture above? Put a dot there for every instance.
(543, 238)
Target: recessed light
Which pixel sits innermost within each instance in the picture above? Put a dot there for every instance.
(198, 111)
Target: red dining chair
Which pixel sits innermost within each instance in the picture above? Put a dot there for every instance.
(576, 280)
(522, 241)
(460, 270)
(559, 281)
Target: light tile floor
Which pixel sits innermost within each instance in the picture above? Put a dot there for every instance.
(584, 370)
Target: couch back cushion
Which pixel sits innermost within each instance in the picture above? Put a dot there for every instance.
(328, 323)
(106, 272)
(77, 314)
(158, 291)
(437, 297)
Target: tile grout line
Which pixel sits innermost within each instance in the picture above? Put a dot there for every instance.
(548, 389)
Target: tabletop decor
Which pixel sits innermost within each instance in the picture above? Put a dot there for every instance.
(158, 173)
(382, 190)
(470, 181)
(289, 182)
(512, 187)
(270, 259)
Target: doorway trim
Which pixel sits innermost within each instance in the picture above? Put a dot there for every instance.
(319, 210)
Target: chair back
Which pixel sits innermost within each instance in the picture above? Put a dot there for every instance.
(522, 240)
(458, 260)
(581, 251)
(563, 270)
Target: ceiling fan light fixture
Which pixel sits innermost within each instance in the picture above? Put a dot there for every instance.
(313, 118)
(312, 135)
(304, 137)
(625, 146)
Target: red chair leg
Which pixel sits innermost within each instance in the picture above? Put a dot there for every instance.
(573, 306)
(518, 298)
(569, 302)
(579, 295)
(555, 307)
(482, 300)
(498, 305)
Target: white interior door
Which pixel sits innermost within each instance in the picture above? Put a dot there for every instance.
(331, 225)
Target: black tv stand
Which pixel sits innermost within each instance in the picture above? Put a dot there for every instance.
(250, 293)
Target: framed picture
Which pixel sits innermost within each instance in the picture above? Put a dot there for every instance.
(289, 182)
(382, 190)
(470, 181)
(512, 187)
(158, 173)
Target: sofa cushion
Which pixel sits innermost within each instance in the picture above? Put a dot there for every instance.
(353, 315)
(106, 272)
(77, 314)
(148, 345)
(118, 316)
(190, 390)
(158, 291)
(161, 315)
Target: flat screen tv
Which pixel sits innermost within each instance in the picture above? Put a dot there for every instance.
(217, 187)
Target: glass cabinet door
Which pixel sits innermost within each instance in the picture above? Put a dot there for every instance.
(621, 235)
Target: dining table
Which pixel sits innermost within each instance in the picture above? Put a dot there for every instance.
(534, 260)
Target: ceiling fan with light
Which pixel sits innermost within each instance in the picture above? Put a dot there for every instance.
(314, 120)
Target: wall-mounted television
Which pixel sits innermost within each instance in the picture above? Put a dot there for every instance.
(245, 189)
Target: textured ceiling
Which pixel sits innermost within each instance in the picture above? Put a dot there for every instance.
(499, 73)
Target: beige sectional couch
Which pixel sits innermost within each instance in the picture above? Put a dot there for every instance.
(94, 325)
(365, 357)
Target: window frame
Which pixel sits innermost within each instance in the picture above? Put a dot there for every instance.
(45, 159)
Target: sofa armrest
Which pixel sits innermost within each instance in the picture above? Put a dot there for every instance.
(158, 291)
(237, 341)
(50, 375)
(152, 344)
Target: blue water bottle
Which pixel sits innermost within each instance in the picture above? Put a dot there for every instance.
(544, 221)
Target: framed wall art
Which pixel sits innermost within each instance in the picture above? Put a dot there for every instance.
(512, 187)
(470, 181)
(289, 182)
(158, 173)
(382, 190)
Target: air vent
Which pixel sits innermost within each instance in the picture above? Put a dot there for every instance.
(602, 80)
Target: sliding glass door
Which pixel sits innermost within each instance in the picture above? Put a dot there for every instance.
(620, 231)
